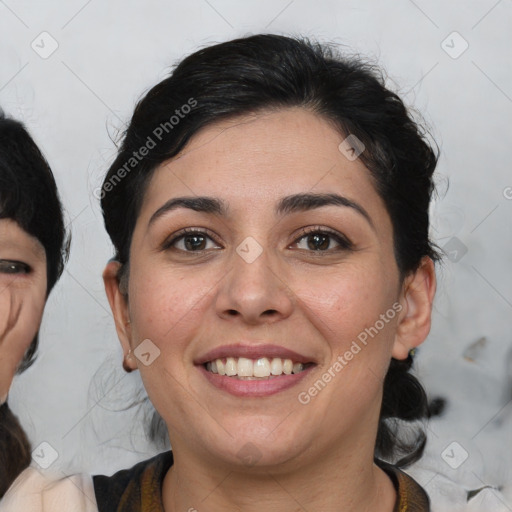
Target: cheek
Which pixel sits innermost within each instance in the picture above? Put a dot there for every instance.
(30, 320)
(353, 312)
(26, 333)
(344, 304)
(347, 312)
(165, 308)
(20, 317)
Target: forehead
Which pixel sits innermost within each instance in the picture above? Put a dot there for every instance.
(12, 236)
(256, 159)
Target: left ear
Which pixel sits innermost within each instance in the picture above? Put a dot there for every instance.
(417, 298)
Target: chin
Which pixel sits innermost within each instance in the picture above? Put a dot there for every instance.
(249, 456)
(255, 444)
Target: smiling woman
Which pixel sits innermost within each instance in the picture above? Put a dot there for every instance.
(261, 245)
(33, 249)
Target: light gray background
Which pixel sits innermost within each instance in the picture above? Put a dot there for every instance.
(110, 53)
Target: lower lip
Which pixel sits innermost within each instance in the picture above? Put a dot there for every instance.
(255, 388)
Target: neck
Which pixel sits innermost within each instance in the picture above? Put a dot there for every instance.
(355, 484)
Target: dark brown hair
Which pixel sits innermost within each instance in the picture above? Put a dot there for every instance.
(14, 448)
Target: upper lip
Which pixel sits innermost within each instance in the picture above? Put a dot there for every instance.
(252, 351)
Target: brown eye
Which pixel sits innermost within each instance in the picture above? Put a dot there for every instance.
(13, 267)
(190, 240)
(193, 242)
(319, 240)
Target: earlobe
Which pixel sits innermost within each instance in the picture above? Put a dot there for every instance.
(417, 300)
(128, 362)
(120, 311)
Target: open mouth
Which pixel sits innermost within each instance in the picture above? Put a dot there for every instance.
(263, 368)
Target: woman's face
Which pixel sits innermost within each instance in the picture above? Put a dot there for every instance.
(289, 260)
(22, 297)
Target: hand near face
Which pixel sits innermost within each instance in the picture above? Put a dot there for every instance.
(22, 297)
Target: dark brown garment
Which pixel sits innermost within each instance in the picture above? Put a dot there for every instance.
(410, 496)
(139, 489)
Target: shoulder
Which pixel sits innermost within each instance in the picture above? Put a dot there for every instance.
(410, 495)
(34, 491)
(133, 487)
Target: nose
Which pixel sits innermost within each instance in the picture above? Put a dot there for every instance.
(254, 290)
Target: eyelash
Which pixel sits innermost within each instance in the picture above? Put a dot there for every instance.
(343, 242)
(14, 267)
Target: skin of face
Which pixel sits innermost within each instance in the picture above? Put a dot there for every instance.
(22, 297)
(314, 302)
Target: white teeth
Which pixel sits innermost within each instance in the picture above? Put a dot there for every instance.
(262, 367)
(230, 367)
(276, 366)
(245, 368)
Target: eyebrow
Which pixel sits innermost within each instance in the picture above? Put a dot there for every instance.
(289, 204)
